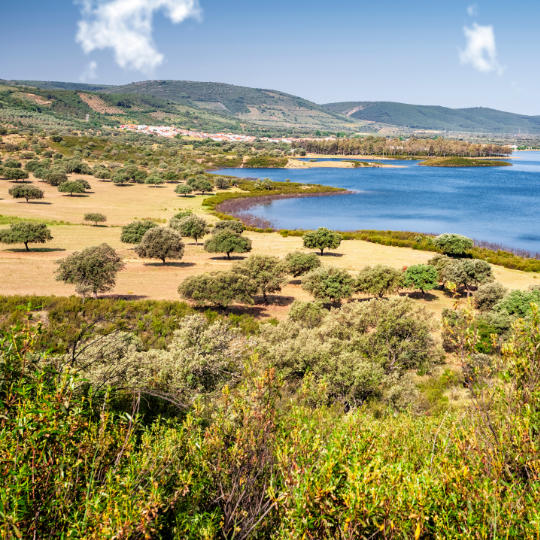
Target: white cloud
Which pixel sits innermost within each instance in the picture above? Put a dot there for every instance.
(472, 10)
(126, 27)
(90, 72)
(480, 51)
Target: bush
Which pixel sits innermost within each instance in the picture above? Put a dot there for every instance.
(26, 233)
(378, 280)
(134, 231)
(307, 314)
(227, 241)
(488, 295)
(519, 302)
(299, 263)
(92, 270)
(26, 192)
(218, 289)
(322, 239)
(329, 284)
(161, 243)
(453, 244)
(95, 218)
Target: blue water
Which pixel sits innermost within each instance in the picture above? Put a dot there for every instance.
(494, 204)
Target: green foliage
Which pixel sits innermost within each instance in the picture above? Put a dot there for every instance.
(329, 284)
(307, 314)
(265, 162)
(267, 273)
(26, 232)
(488, 295)
(191, 226)
(134, 231)
(519, 302)
(378, 280)
(464, 162)
(154, 180)
(183, 189)
(455, 245)
(55, 177)
(13, 173)
(71, 187)
(464, 273)
(423, 277)
(200, 184)
(28, 192)
(218, 289)
(95, 217)
(92, 270)
(161, 243)
(231, 224)
(322, 239)
(299, 263)
(227, 241)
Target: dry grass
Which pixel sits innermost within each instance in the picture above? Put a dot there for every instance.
(33, 273)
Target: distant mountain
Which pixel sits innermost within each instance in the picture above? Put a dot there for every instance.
(427, 117)
(266, 108)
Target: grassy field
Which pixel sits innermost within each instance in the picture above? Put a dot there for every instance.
(33, 273)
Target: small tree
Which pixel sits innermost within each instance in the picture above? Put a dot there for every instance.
(71, 187)
(218, 289)
(12, 173)
(154, 180)
(183, 189)
(26, 233)
(378, 280)
(26, 192)
(227, 241)
(200, 184)
(421, 276)
(329, 284)
(454, 245)
(467, 273)
(161, 243)
(231, 225)
(92, 270)
(322, 239)
(55, 177)
(268, 273)
(95, 218)
(134, 232)
(192, 226)
(222, 183)
(299, 263)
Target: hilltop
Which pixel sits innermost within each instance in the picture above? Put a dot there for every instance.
(427, 117)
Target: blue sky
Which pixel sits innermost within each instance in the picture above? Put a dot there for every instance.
(456, 54)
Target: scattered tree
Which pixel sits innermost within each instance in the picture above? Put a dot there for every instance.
(154, 180)
(222, 183)
(26, 233)
(161, 243)
(299, 263)
(26, 192)
(71, 187)
(14, 174)
(322, 239)
(95, 218)
(218, 289)
(488, 295)
(421, 276)
(378, 280)
(329, 284)
(134, 231)
(183, 189)
(191, 226)
(465, 273)
(92, 270)
(268, 273)
(455, 245)
(230, 224)
(55, 177)
(227, 241)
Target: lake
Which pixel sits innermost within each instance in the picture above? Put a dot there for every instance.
(494, 204)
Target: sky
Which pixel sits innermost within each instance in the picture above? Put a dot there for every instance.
(456, 54)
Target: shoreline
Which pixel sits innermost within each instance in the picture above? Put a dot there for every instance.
(294, 163)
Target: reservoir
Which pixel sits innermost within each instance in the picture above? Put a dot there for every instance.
(500, 205)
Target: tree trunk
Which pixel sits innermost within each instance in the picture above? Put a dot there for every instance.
(162, 260)
(322, 251)
(26, 246)
(228, 255)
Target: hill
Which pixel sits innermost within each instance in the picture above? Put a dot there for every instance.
(427, 117)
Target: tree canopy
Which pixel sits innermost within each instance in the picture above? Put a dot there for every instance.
(267, 273)
(161, 243)
(455, 245)
(227, 241)
(329, 284)
(299, 263)
(95, 218)
(322, 239)
(191, 226)
(92, 270)
(134, 231)
(26, 233)
(71, 187)
(25, 191)
(421, 276)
